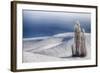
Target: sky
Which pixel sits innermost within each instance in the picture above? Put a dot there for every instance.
(38, 23)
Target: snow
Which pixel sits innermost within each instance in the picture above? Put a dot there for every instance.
(43, 44)
(33, 57)
(52, 48)
(64, 34)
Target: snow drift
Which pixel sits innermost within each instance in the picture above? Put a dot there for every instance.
(52, 48)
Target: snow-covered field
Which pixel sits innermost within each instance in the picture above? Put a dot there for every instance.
(52, 48)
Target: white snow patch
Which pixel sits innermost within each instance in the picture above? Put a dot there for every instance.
(33, 57)
(53, 48)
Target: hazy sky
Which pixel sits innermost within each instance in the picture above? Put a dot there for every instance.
(47, 23)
